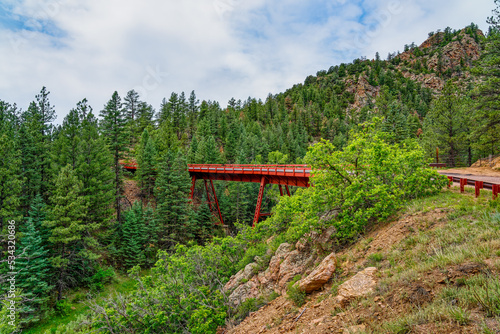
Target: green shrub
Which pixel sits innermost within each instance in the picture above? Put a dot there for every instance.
(63, 307)
(248, 306)
(101, 277)
(294, 293)
(375, 257)
(366, 182)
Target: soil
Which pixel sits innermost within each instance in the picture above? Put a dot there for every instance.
(131, 193)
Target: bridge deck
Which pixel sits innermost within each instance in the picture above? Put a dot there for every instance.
(289, 175)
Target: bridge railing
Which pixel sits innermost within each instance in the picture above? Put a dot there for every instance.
(281, 170)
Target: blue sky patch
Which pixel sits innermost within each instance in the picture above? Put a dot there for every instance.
(14, 22)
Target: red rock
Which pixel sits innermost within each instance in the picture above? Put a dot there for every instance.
(320, 275)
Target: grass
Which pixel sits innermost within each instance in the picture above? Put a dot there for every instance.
(471, 234)
(78, 306)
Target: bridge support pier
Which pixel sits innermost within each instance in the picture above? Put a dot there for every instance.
(212, 201)
(259, 201)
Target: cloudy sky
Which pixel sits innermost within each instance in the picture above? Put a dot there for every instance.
(219, 48)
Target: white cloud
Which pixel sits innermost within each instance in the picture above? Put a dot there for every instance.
(219, 48)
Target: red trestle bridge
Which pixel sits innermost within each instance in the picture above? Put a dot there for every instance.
(281, 175)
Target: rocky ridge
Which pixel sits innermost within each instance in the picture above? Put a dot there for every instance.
(454, 58)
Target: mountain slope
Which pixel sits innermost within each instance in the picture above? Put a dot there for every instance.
(434, 264)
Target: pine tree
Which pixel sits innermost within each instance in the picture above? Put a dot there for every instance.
(38, 214)
(131, 109)
(65, 146)
(204, 221)
(66, 225)
(113, 127)
(151, 235)
(444, 125)
(33, 273)
(131, 104)
(173, 211)
(35, 142)
(133, 233)
(193, 147)
(193, 107)
(10, 163)
(46, 114)
(97, 178)
(145, 114)
(487, 115)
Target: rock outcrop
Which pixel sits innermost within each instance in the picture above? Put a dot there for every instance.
(285, 264)
(362, 90)
(283, 267)
(460, 52)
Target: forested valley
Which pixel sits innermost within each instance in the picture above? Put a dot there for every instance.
(355, 124)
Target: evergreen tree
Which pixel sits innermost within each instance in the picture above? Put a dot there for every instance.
(93, 170)
(193, 107)
(144, 117)
(46, 114)
(487, 115)
(10, 163)
(35, 141)
(115, 134)
(132, 237)
(131, 104)
(173, 211)
(38, 214)
(444, 125)
(150, 235)
(33, 276)
(66, 225)
(65, 146)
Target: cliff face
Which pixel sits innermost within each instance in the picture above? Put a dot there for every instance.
(430, 65)
(455, 57)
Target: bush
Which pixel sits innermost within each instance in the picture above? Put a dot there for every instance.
(248, 306)
(63, 308)
(297, 296)
(101, 277)
(365, 183)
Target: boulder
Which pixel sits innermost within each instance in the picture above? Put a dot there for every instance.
(320, 275)
(360, 285)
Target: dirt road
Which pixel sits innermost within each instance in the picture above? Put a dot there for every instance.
(478, 174)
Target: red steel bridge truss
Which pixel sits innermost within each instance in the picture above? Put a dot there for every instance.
(281, 175)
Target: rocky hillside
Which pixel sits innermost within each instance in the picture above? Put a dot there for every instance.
(433, 269)
(430, 64)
